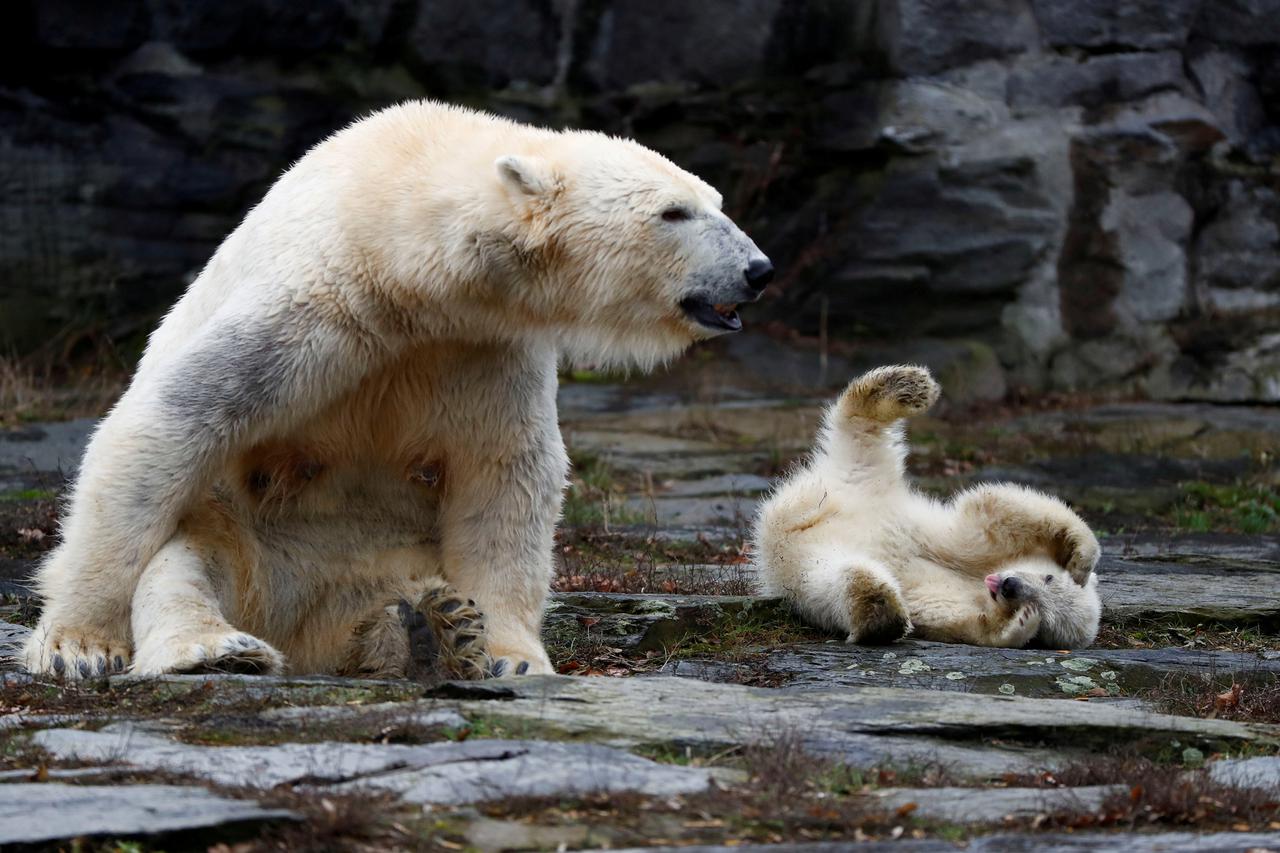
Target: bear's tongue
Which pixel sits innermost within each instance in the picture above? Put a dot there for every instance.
(713, 316)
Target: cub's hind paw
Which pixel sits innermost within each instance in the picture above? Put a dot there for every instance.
(891, 393)
(877, 615)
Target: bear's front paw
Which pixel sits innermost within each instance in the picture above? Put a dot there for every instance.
(1021, 627)
(74, 652)
(507, 662)
(890, 393)
(225, 652)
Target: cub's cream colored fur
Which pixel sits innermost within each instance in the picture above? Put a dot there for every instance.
(857, 550)
(356, 397)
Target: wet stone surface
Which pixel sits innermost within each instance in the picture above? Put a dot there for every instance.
(654, 582)
(34, 813)
(1102, 674)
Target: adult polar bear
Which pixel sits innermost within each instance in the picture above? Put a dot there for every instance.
(354, 403)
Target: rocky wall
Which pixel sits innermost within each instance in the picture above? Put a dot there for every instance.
(1087, 189)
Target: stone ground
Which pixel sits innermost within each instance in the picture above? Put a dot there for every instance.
(689, 712)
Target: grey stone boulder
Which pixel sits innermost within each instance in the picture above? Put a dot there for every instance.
(490, 43)
(1224, 79)
(1141, 24)
(1237, 251)
(37, 813)
(719, 44)
(1063, 82)
(1242, 22)
(928, 36)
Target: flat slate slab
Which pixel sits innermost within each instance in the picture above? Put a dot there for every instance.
(452, 772)
(34, 813)
(538, 769)
(991, 805)
(1093, 673)
(973, 736)
(1260, 772)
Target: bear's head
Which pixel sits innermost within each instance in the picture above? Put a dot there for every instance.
(627, 255)
(1069, 612)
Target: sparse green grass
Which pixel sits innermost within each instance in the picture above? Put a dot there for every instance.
(29, 495)
(50, 390)
(595, 497)
(1166, 633)
(1238, 508)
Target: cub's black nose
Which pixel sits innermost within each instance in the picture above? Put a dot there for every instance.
(1011, 587)
(759, 273)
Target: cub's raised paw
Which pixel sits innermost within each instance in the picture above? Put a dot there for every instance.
(446, 637)
(1077, 550)
(231, 652)
(891, 393)
(73, 654)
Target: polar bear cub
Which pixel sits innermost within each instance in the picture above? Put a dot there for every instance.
(856, 549)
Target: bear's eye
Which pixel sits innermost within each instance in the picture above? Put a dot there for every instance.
(1048, 578)
(676, 214)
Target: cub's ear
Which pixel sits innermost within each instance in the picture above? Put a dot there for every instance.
(529, 176)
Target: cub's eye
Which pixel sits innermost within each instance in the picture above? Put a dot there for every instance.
(1048, 578)
(676, 214)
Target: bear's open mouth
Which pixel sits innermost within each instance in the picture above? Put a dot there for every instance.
(713, 316)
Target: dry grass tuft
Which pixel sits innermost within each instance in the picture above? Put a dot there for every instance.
(55, 389)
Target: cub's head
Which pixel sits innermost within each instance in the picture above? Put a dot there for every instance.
(1069, 612)
(639, 260)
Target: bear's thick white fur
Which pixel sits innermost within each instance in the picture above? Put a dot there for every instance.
(356, 397)
(856, 549)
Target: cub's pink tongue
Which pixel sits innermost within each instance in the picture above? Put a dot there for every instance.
(993, 583)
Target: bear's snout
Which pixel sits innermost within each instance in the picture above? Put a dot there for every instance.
(1010, 587)
(759, 273)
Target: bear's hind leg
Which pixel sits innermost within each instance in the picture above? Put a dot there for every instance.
(862, 438)
(178, 624)
(877, 612)
(438, 636)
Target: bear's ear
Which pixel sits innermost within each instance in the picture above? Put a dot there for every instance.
(528, 175)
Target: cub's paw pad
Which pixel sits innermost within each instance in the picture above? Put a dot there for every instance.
(890, 393)
(446, 636)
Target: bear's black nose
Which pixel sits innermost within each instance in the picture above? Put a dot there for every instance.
(759, 273)
(1011, 587)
